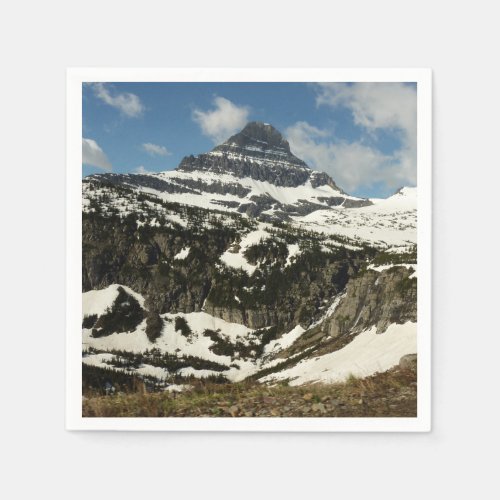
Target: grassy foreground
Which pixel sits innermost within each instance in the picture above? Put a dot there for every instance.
(389, 394)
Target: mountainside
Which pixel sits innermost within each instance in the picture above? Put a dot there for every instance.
(245, 263)
(253, 172)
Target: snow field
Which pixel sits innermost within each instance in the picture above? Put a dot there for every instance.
(367, 354)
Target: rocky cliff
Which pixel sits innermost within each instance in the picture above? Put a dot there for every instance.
(375, 298)
(277, 293)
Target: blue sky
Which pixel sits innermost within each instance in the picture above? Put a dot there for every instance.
(362, 134)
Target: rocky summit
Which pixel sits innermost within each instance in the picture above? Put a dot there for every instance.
(261, 153)
(244, 264)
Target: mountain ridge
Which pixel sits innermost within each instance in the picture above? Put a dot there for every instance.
(253, 172)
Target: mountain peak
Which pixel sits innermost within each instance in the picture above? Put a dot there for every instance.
(260, 142)
(258, 151)
(263, 135)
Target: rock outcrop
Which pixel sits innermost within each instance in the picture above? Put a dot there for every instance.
(375, 299)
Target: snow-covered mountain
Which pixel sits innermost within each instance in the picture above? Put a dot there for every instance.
(244, 262)
(253, 172)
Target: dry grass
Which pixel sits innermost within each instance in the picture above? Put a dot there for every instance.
(389, 394)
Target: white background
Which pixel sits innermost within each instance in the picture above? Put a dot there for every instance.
(39, 40)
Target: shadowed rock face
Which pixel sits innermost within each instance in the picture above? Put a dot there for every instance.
(116, 250)
(261, 141)
(369, 299)
(260, 152)
(279, 174)
(375, 299)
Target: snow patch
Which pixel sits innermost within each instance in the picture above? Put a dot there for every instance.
(178, 387)
(96, 302)
(104, 360)
(182, 254)
(412, 267)
(367, 354)
(284, 341)
(238, 260)
(293, 251)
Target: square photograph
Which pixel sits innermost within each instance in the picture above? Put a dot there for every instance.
(249, 250)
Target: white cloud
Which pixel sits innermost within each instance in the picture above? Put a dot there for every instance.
(225, 119)
(375, 107)
(142, 170)
(155, 149)
(127, 103)
(353, 166)
(380, 106)
(93, 155)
